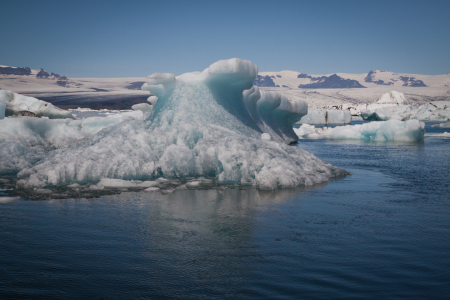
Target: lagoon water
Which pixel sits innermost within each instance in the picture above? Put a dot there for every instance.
(383, 232)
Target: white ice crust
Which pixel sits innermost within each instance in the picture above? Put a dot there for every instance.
(393, 130)
(11, 104)
(204, 124)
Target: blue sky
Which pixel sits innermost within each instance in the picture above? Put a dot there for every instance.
(138, 38)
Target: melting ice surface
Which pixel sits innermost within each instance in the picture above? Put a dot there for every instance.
(204, 124)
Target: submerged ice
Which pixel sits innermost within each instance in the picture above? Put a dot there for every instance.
(211, 124)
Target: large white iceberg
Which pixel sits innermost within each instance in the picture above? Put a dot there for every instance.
(204, 124)
(393, 130)
(437, 111)
(12, 103)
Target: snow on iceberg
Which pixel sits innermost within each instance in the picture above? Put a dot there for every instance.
(203, 124)
(393, 130)
(14, 103)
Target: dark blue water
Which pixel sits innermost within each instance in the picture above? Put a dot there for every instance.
(383, 232)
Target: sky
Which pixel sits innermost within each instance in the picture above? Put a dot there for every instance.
(137, 38)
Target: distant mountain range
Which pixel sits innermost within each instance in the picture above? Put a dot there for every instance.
(39, 73)
(294, 80)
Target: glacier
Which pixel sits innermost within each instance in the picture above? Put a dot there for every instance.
(213, 124)
(392, 130)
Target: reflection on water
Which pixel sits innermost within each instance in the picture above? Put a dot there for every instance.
(382, 232)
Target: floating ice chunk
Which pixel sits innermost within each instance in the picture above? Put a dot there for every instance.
(16, 103)
(393, 130)
(437, 111)
(442, 125)
(401, 113)
(167, 191)
(335, 117)
(444, 135)
(148, 183)
(314, 117)
(97, 187)
(4, 200)
(193, 184)
(42, 191)
(304, 130)
(109, 182)
(152, 189)
(201, 126)
(325, 117)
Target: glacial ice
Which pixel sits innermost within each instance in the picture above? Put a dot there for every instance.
(203, 124)
(392, 130)
(326, 117)
(14, 103)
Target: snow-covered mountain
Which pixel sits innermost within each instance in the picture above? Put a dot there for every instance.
(328, 90)
(292, 79)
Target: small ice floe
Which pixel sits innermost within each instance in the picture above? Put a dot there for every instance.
(167, 191)
(442, 125)
(4, 200)
(444, 135)
(96, 187)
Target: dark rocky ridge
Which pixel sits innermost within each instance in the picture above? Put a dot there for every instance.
(407, 81)
(15, 71)
(331, 82)
(265, 81)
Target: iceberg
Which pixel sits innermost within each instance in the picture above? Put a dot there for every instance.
(392, 130)
(326, 117)
(445, 135)
(11, 104)
(442, 125)
(204, 124)
(391, 99)
(438, 111)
